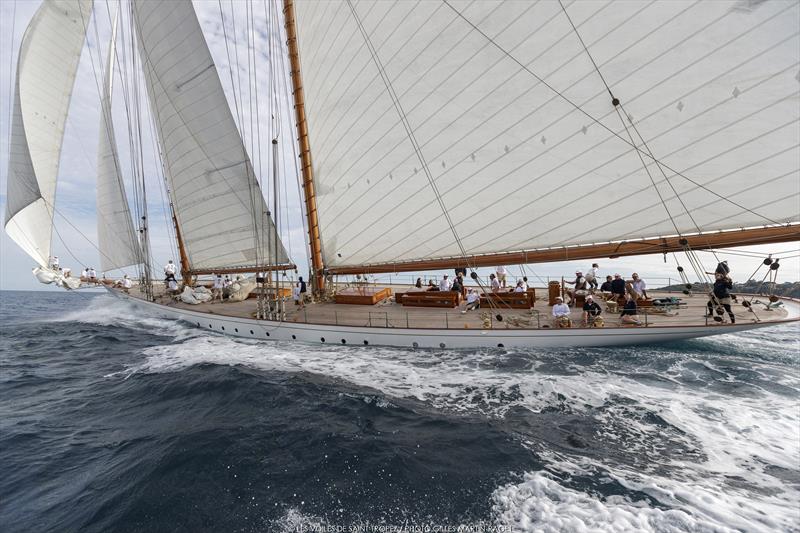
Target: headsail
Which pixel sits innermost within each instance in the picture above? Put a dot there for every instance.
(116, 236)
(46, 69)
(217, 201)
(500, 105)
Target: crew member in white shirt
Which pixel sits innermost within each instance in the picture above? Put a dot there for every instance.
(473, 301)
(501, 275)
(67, 271)
(126, 283)
(55, 263)
(172, 285)
(170, 268)
(92, 275)
(85, 274)
(495, 283)
(639, 286)
(591, 276)
(296, 293)
(561, 313)
(445, 284)
(520, 287)
(216, 289)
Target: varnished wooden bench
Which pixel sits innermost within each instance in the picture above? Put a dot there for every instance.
(428, 298)
(513, 300)
(362, 295)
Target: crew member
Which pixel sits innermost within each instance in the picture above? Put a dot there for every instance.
(720, 296)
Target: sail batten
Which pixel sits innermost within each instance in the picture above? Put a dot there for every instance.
(218, 204)
(115, 233)
(46, 70)
(519, 133)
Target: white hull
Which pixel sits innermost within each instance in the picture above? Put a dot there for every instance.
(445, 338)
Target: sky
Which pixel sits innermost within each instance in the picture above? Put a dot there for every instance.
(76, 234)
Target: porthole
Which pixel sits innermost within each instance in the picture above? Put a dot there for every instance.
(210, 325)
(322, 339)
(267, 333)
(415, 344)
(441, 345)
(501, 345)
(236, 330)
(198, 324)
(251, 332)
(294, 337)
(366, 343)
(222, 328)
(344, 341)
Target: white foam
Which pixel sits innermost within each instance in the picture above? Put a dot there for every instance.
(727, 487)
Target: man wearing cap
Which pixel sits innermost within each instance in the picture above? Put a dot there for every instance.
(445, 285)
(581, 286)
(618, 287)
(591, 310)
(639, 286)
(561, 313)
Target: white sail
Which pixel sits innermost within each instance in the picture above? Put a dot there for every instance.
(461, 87)
(219, 206)
(46, 69)
(115, 234)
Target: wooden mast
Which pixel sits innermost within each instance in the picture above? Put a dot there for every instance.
(185, 271)
(704, 241)
(317, 266)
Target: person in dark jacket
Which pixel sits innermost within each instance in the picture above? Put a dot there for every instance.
(618, 287)
(605, 288)
(629, 313)
(591, 310)
(720, 296)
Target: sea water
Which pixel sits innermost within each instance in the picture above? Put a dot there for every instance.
(114, 420)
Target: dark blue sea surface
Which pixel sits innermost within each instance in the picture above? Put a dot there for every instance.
(112, 420)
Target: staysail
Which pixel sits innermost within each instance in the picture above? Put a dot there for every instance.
(503, 107)
(46, 69)
(217, 201)
(116, 236)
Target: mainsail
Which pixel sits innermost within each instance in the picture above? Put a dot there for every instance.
(440, 129)
(116, 236)
(46, 69)
(217, 201)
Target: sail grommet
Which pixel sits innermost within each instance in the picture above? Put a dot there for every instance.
(683, 242)
(615, 101)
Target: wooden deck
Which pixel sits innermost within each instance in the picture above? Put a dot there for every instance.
(390, 314)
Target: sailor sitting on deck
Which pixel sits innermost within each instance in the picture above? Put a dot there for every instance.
(591, 313)
(432, 286)
(67, 271)
(520, 287)
(418, 283)
(126, 283)
(561, 314)
(473, 301)
(605, 288)
(629, 314)
(639, 286)
(92, 275)
(55, 263)
(581, 287)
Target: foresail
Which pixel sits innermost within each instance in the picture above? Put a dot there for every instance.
(116, 236)
(46, 69)
(219, 206)
(500, 105)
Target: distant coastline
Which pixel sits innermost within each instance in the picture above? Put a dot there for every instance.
(790, 289)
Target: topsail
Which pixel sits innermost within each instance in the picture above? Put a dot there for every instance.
(48, 62)
(504, 108)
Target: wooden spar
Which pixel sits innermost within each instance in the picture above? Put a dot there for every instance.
(704, 241)
(241, 270)
(185, 271)
(317, 265)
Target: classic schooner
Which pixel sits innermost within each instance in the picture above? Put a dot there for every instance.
(430, 136)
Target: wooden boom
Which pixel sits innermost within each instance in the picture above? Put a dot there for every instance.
(702, 241)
